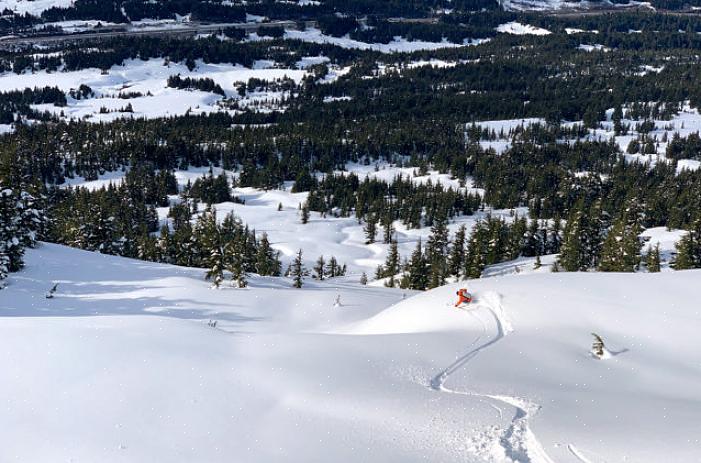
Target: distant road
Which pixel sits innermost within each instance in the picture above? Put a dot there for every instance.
(189, 29)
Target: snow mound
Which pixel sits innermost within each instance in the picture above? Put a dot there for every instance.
(517, 28)
(429, 312)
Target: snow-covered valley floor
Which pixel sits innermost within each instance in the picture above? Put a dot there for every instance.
(122, 366)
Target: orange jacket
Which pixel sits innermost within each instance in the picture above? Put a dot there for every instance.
(463, 296)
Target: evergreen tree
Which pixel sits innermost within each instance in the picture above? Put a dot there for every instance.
(297, 270)
(332, 268)
(267, 259)
(574, 255)
(621, 249)
(436, 250)
(305, 214)
(388, 228)
(235, 262)
(417, 273)
(652, 259)
(456, 261)
(319, 268)
(363, 279)
(475, 257)
(370, 230)
(216, 266)
(392, 265)
(689, 248)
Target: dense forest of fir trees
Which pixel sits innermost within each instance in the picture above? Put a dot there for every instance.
(584, 200)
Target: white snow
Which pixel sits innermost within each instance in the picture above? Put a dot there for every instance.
(150, 79)
(33, 7)
(594, 47)
(688, 164)
(517, 28)
(397, 45)
(121, 366)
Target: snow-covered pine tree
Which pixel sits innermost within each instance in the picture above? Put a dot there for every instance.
(456, 261)
(652, 259)
(388, 228)
(417, 272)
(216, 266)
(621, 249)
(267, 259)
(332, 268)
(436, 250)
(370, 229)
(305, 214)
(517, 238)
(392, 265)
(319, 268)
(689, 248)
(363, 279)
(297, 270)
(234, 262)
(572, 256)
(475, 257)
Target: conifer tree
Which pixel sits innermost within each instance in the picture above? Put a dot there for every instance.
(456, 261)
(332, 268)
(475, 257)
(573, 253)
(363, 279)
(267, 260)
(319, 268)
(388, 228)
(297, 270)
(436, 250)
(621, 249)
(215, 270)
(305, 214)
(689, 248)
(370, 229)
(652, 259)
(392, 265)
(417, 270)
(235, 262)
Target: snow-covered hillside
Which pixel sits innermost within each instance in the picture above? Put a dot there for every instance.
(122, 366)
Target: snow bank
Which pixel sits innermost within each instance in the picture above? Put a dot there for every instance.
(517, 28)
(397, 45)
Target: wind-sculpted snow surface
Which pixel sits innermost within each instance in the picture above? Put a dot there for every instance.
(122, 364)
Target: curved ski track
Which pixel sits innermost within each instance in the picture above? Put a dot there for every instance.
(517, 441)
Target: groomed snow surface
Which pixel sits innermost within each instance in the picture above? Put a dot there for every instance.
(122, 366)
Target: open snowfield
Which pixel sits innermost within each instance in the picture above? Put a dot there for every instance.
(149, 78)
(517, 28)
(397, 45)
(33, 7)
(121, 366)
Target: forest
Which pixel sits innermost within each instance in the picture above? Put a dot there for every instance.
(381, 109)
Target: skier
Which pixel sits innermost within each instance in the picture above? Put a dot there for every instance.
(463, 297)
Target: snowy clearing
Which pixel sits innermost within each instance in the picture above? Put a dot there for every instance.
(148, 79)
(517, 28)
(397, 45)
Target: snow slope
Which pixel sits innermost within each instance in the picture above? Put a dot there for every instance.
(121, 366)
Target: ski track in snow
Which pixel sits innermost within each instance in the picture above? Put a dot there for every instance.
(577, 454)
(518, 442)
